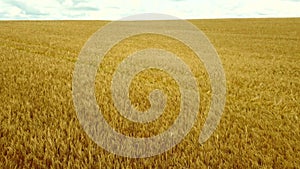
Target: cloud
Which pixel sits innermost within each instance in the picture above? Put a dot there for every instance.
(177, 0)
(292, 0)
(113, 7)
(23, 8)
(87, 8)
(117, 9)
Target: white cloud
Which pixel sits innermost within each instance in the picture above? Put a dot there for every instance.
(112, 10)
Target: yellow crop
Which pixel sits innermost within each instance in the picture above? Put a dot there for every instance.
(259, 127)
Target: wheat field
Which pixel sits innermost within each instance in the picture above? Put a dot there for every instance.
(260, 124)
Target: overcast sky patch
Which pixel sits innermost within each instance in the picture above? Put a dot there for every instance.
(117, 9)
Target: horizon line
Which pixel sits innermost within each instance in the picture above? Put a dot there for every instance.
(106, 20)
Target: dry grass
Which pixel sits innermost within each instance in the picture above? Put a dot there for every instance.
(259, 127)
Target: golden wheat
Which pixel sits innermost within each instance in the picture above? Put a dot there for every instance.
(259, 127)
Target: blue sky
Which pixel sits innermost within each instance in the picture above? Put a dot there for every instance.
(117, 9)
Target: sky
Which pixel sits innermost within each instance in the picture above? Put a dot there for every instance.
(117, 9)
